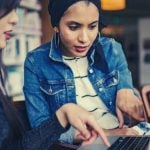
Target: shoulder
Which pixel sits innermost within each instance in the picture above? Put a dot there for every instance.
(110, 46)
(38, 54)
(41, 50)
(107, 42)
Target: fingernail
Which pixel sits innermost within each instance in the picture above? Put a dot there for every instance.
(108, 144)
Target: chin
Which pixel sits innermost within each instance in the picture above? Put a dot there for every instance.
(2, 45)
(82, 54)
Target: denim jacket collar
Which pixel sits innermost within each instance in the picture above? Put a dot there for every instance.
(97, 55)
(55, 52)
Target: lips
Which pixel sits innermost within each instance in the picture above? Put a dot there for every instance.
(81, 49)
(7, 35)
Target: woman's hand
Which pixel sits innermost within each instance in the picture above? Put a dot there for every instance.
(83, 121)
(121, 132)
(128, 103)
(79, 139)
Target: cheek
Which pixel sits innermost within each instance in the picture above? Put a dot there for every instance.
(92, 39)
(3, 25)
(93, 36)
(67, 38)
(1, 30)
(2, 37)
(0, 33)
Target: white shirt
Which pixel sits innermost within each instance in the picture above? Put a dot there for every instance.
(86, 95)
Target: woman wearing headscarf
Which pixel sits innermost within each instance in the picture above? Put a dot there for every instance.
(81, 67)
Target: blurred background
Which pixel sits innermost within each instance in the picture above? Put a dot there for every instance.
(128, 21)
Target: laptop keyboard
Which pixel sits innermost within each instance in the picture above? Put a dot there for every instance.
(130, 143)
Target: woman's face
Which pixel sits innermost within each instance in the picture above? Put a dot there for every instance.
(78, 29)
(6, 26)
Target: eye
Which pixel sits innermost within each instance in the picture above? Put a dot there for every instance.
(93, 26)
(73, 27)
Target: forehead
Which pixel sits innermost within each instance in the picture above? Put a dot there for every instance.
(80, 10)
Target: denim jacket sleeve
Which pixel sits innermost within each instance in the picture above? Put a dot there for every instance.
(37, 107)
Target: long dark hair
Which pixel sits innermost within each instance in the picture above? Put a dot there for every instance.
(7, 5)
(16, 125)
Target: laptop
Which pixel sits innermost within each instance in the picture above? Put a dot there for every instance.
(121, 143)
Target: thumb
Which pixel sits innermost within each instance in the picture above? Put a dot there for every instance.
(82, 130)
(91, 139)
(120, 117)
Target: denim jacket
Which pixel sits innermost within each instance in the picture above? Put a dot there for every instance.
(49, 82)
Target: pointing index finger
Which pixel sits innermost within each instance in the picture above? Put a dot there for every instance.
(94, 125)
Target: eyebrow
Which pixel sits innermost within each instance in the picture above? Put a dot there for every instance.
(94, 22)
(77, 23)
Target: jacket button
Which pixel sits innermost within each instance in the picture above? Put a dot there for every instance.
(115, 80)
(100, 89)
(50, 91)
(110, 103)
(91, 71)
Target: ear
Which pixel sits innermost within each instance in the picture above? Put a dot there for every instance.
(56, 29)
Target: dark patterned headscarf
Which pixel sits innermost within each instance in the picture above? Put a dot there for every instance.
(57, 8)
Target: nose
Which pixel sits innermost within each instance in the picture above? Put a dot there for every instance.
(83, 36)
(13, 18)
